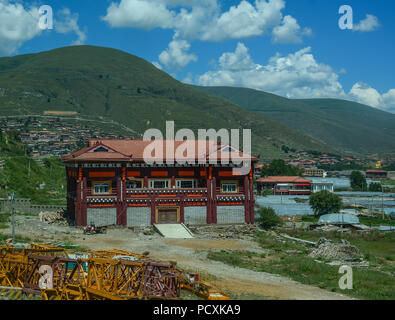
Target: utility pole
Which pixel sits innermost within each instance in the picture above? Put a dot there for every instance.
(13, 219)
(382, 199)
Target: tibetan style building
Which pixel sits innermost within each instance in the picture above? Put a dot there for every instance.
(110, 182)
(285, 185)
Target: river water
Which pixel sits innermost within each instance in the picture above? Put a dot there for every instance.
(339, 182)
(286, 205)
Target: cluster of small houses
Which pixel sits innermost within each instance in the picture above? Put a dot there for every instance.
(306, 161)
(51, 137)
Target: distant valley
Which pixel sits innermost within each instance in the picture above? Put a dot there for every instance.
(109, 84)
(344, 125)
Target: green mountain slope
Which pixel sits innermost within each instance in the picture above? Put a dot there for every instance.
(21, 174)
(345, 125)
(108, 83)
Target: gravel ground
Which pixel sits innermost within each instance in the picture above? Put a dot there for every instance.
(190, 254)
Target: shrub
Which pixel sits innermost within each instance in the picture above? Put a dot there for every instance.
(358, 181)
(375, 187)
(268, 219)
(266, 192)
(325, 202)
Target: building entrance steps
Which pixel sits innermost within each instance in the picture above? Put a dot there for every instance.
(174, 230)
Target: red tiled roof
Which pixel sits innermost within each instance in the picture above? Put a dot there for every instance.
(283, 179)
(128, 150)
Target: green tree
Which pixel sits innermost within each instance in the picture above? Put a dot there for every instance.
(375, 187)
(267, 218)
(358, 181)
(325, 202)
(15, 135)
(285, 148)
(278, 167)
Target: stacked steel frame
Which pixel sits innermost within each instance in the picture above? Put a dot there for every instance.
(104, 275)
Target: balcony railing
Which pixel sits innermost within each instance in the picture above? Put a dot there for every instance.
(89, 193)
(169, 191)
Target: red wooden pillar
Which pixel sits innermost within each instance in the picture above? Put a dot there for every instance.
(153, 209)
(173, 181)
(78, 218)
(124, 198)
(214, 201)
(252, 198)
(121, 200)
(209, 201)
(246, 201)
(182, 206)
(84, 203)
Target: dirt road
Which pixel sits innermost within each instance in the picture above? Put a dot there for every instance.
(190, 254)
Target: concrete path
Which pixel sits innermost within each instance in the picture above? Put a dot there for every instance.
(175, 231)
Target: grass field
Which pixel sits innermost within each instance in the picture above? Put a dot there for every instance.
(291, 260)
(4, 220)
(22, 175)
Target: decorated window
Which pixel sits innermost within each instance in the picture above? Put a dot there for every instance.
(159, 184)
(134, 184)
(229, 187)
(186, 183)
(101, 188)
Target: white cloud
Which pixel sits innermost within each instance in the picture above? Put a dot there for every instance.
(363, 93)
(205, 21)
(176, 56)
(157, 64)
(188, 79)
(297, 75)
(237, 61)
(389, 100)
(17, 25)
(68, 23)
(197, 19)
(139, 14)
(289, 31)
(201, 20)
(370, 23)
(244, 20)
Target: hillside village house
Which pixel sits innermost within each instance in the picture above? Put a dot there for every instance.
(313, 172)
(109, 183)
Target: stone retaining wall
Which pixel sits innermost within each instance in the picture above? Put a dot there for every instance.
(25, 206)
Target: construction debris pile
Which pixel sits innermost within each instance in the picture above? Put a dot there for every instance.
(245, 231)
(54, 273)
(53, 217)
(327, 249)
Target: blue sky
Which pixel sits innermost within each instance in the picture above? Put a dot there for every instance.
(293, 48)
